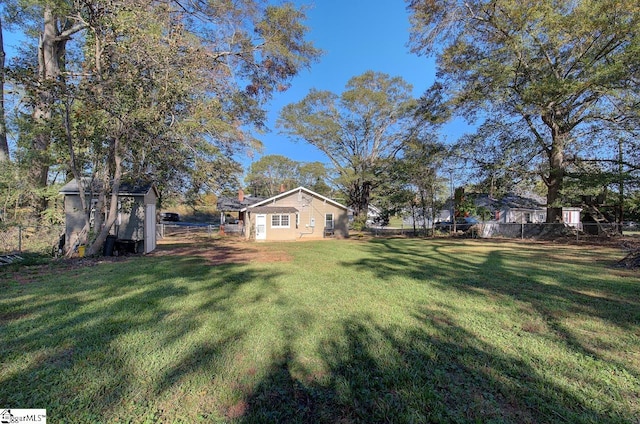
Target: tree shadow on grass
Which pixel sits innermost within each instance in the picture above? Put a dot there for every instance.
(64, 347)
(436, 373)
(527, 282)
(550, 292)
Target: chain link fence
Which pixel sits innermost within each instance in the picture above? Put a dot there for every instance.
(45, 239)
(30, 239)
(581, 231)
(489, 229)
(42, 239)
(183, 230)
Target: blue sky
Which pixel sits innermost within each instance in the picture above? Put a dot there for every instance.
(356, 36)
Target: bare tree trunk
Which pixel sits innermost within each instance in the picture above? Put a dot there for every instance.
(423, 206)
(621, 193)
(112, 215)
(555, 179)
(414, 215)
(75, 170)
(113, 204)
(50, 49)
(4, 146)
(359, 196)
(51, 57)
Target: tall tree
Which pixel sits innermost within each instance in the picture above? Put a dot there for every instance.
(270, 172)
(60, 21)
(40, 73)
(197, 74)
(172, 83)
(358, 130)
(422, 164)
(4, 146)
(315, 176)
(501, 155)
(558, 66)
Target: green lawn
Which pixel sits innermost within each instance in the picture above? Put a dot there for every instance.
(340, 331)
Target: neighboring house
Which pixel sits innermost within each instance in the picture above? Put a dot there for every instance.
(373, 212)
(516, 209)
(571, 216)
(445, 215)
(232, 211)
(523, 210)
(513, 209)
(136, 221)
(295, 214)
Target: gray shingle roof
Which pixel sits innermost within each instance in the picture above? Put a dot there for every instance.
(274, 209)
(233, 204)
(126, 189)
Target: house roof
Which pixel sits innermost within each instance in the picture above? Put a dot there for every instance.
(509, 201)
(295, 190)
(233, 204)
(274, 209)
(126, 189)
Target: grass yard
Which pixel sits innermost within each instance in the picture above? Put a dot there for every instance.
(340, 331)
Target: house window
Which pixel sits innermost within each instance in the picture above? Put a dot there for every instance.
(279, 221)
(328, 221)
(527, 217)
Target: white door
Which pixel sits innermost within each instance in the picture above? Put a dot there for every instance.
(261, 227)
(150, 229)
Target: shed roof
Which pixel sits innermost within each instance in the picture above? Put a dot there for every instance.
(126, 189)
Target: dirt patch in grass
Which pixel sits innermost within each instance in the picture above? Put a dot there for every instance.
(221, 250)
(215, 251)
(24, 273)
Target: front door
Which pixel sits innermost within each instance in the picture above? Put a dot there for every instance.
(261, 227)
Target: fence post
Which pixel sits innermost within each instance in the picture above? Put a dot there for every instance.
(522, 231)
(577, 234)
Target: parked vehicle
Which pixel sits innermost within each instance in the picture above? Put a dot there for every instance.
(169, 217)
(465, 223)
(462, 224)
(443, 225)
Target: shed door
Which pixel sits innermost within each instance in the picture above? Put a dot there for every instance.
(150, 228)
(261, 227)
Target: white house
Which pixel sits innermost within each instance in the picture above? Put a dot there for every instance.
(515, 209)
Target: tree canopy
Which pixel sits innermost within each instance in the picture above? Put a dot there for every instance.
(561, 68)
(271, 173)
(166, 91)
(358, 130)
